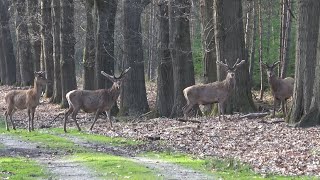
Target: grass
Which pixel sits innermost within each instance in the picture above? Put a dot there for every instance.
(227, 169)
(114, 167)
(113, 141)
(20, 168)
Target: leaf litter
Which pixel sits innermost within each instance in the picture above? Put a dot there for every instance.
(266, 147)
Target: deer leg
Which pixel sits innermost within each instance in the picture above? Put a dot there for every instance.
(95, 118)
(11, 114)
(32, 118)
(74, 117)
(221, 110)
(187, 110)
(274, 107)
(109, 117)
(29, 120)
(66, 114)
(6, 122)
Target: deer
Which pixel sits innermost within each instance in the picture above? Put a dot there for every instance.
(98, 101)
(281, 89)
(216, 92)
(25, 99)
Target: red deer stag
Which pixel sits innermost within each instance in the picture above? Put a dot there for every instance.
(97, 101)
(25, 99)
(216, 92)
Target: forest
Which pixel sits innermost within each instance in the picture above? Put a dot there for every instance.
(180, 63)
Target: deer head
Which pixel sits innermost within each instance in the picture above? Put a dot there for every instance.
(116, 80)
(231, 69)
(40, 78)
(270, 68)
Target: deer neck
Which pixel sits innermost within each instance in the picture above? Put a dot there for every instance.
(114, 91)
(229, 83)
(37, 89)
(274, 81)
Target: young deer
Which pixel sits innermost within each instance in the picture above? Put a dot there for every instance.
(25, 99)
(97, 101)
(282, 89)
(216, 92)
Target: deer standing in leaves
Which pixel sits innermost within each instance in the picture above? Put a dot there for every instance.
(25, 99)
(97, 101)
(216, 92)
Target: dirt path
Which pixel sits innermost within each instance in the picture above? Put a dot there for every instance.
(62, 168)
(59, 168)
(165, 170)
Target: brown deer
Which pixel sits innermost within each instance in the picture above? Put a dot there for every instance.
(25, 99)
(97, 101)
(216, 92)
(282, 89)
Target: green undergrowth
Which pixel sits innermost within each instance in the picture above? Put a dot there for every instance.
(20, 168)
(114, 167)
(113, 141)
(227, 169)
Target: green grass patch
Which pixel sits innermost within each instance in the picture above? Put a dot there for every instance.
(227, 169)
(20, 168)
(114, 141)
(114, 167)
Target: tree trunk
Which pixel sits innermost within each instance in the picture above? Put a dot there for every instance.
(230, 45)
(260, 53)
(306, 50)
(47, 46)
(34, 31)
(180, 45)
(134, 97)
(23, 44)
(165, 77)
(7, 45)
(252, 46)
(209, 61)
(89, 50)
(67, 43)
(57, 91)
(286, 41)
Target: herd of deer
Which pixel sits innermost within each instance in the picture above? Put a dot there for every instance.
(102, 100)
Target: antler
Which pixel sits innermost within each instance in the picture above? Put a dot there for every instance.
(275, 63)
(223, 64)
(235, 64)
(123, 73)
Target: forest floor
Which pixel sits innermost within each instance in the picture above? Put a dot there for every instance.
(267, 145)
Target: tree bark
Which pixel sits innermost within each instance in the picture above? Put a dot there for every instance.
(9, 60)
(89, 50)
(47, 46)
(180, 46)
(34, 31)
(23, 44)
(134, 98)
(67, 43)
(165, 87)
(207, 24)
(230, 45)
(307, 36)
(260, 53)
(57, 91)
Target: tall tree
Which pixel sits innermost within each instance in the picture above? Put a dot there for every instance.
(67, 43)
(230, 45)
(23, 43)
(89, 50)
(57, 91)
(260, 51)
(8, 58)
(134, 97)
(47, 46)
(165, 77)
(306, 55)
(209, 49)
(183, 72)
(34, 31)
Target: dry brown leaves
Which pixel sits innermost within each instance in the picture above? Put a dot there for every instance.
(267, 147)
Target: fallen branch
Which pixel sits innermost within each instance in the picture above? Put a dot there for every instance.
(272, 122)
(188, 120)
(254, 115)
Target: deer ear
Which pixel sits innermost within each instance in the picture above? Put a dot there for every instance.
(111, 78)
